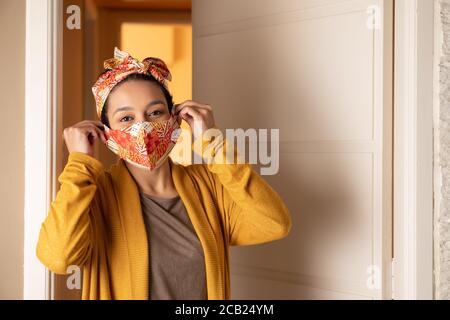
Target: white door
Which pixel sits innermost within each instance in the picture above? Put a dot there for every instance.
(321, 72)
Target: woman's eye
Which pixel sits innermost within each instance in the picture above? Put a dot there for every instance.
(155, 113)
(125, 119)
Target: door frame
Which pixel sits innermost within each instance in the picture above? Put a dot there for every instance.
(413, 142)
(413, 150)
(43, 90)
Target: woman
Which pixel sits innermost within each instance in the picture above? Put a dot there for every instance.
(148, 228)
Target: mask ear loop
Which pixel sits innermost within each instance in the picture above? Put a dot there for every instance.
(105, 130)
(179, 120)
(176, 116)
(174, 107)
(103, 127)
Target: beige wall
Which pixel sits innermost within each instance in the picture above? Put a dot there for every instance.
(12, 84)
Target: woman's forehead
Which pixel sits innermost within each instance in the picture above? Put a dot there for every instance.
(136, 94)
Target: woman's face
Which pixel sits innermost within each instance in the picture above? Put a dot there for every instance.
(136, 100)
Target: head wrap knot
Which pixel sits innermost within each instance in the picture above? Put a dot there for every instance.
(122, 65)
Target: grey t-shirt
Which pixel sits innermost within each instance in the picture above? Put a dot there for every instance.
(176, 258)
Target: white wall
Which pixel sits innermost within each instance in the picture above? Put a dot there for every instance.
(12, 97)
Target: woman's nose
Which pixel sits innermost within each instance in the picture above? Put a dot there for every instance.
(141, 117)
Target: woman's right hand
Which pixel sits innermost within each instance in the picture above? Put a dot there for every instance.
(81, 136)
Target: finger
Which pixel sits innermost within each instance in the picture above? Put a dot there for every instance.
(193, 118)
(203, 111)
(193, 104)
(94, 130)
(97, 124)
(84, 126)
(84, 122)
(178, 107)
(89, 125)
(191, 114)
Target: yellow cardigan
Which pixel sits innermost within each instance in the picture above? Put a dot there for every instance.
(95, 222)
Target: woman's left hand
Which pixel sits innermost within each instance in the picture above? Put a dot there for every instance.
(199, 116)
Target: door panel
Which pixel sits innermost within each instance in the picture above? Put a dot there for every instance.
(317, 71)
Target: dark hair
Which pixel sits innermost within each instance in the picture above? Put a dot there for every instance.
(142, 77)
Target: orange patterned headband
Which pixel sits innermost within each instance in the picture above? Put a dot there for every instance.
(122, 65)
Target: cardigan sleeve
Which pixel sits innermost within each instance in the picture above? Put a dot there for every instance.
(65, 236)
(254, 213)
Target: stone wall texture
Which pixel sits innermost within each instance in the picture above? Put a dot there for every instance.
(442, 151)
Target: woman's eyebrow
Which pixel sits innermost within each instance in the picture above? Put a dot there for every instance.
(122, 109)
(151, 103)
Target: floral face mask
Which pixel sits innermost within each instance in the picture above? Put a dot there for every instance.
(145, 144)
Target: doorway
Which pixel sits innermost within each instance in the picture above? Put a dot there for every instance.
(160, 28)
